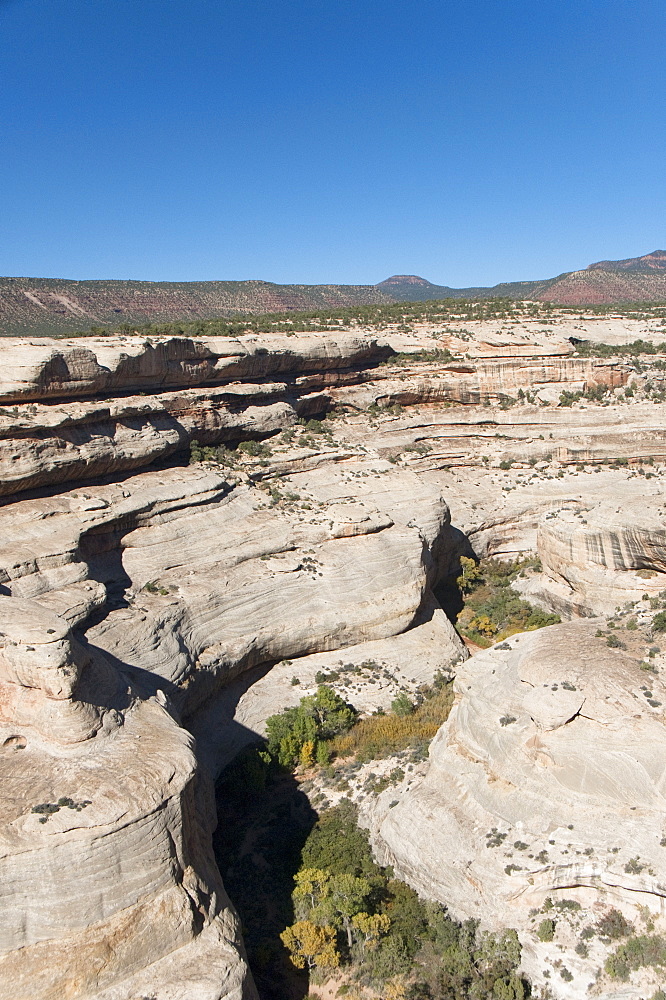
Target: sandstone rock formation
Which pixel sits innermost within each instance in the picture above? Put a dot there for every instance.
(144, 602)
(176, 582)
(546, 781)
(106, 866)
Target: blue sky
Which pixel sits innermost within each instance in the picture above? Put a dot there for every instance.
(469, 141)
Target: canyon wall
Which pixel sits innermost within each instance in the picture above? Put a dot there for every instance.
(153, 613)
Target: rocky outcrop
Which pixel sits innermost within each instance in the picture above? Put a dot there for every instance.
(598, 557)
(129, 607)
(546, 781)
(67, 369)
(488, 381)
(105, 850)
(167, 392)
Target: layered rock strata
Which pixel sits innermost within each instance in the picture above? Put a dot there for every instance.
(174, 582)
(141, 604)
(105, 849)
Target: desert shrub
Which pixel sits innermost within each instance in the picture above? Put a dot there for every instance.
(613, 926)
(659, 622)
(596, 392)
(635, 953)
(218, 454)
(568, 398)
(381, 736)
(482, 965)
(492, 610)
(402, 705)
(546, 930)
(254, 449)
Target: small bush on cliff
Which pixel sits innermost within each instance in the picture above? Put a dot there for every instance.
(220, 455)
(546, 930)
(637, 952)
(659, 622)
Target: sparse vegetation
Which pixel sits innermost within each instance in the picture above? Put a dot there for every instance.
(636, 953)
(380, 736)
(492, 610)
(48, 809)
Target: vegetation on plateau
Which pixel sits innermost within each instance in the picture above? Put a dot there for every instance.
(588, 349)
(380, 316)
(376, 316)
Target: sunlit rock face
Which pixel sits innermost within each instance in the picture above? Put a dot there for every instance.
(599, 556)
(105, 858)
(128, 608)
(142, 598)
(546, 781)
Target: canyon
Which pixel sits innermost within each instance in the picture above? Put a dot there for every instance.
(191, 523)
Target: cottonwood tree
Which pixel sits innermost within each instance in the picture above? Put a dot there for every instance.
(311, 945)
(372, 927)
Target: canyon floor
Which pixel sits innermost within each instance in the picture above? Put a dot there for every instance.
(196, 529)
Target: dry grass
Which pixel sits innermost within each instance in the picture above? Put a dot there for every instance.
(382, 736)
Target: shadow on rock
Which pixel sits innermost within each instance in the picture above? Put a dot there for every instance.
(263, 822)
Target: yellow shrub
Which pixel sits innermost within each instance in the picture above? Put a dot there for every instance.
(382, 735)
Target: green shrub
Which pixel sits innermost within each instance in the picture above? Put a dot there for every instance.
(254, 449)
(546, 930)
(402, 705)
(637, 952)
(659, 622)
(318, 718)
(568, 398)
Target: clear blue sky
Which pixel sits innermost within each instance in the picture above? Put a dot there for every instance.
(469, 141)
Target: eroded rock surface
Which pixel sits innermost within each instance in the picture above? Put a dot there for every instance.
(106, 865)
(144, 603)
(175, 582)
(546, 781)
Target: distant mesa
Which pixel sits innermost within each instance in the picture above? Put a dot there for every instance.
(655, 261)
(48, 306)
(405, 279)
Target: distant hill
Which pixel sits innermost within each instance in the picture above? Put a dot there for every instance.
(44, 306)
(648, 264)
(636, 279)
(411, 288)
(48, 306)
